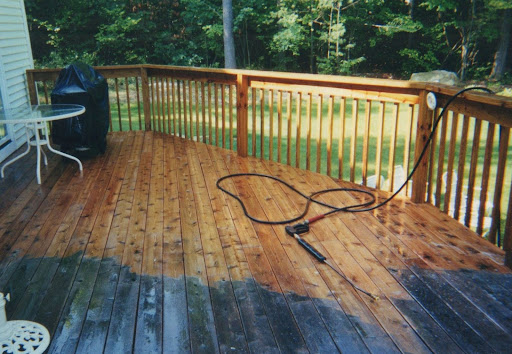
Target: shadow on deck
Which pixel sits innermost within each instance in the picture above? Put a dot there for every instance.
(143, 253)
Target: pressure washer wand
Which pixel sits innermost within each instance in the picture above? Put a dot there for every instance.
(297, 229)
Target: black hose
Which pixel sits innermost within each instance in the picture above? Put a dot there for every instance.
(351, 208)
(309, 198)
(424, 150)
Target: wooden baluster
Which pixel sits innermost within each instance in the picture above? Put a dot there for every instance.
(271, 126)
(353, 145)
(32, 88)
(392, 147)
(159, 103)
(190, 111)
(185, 107)
(460, 170)
(289, 130)
(179, 106)
(223, 111)
(319, 108)
(162, 86)
(440, 159)
(308, 130)
(366, 138)
(138, 102)
(45, 87)
(330, 122)
(203, 110)
(110, 120)
(380, 140)
(118, 105)
(151, 85)
(500, 178)
(146, 98)
(110, 123)
(279, 124)
(196, 91)
(262, 123)
(127, 87)
(173, 98)
(299, 128)
(242, 91)
(157, 94)
(341, 145)
(451, 159)
(253, 136)
(230, 93)
(489, 144)
(472, 171)
(168, 106)
(407, 149)
(430, 186)
(240, 101)
(216, 98)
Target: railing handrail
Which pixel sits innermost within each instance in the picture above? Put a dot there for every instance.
(350, 82)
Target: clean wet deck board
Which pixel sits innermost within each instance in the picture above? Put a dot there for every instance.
(143, 253)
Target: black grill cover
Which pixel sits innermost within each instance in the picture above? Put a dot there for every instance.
(80, 84)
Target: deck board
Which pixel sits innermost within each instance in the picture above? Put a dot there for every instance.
(143, 253)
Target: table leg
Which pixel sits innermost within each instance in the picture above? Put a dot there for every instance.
(45, 158)
(45, 130)
(38, 147)
(20, 155)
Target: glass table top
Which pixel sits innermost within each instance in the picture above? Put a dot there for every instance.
(40, 113)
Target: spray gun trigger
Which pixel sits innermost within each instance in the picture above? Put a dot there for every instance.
(297, 229)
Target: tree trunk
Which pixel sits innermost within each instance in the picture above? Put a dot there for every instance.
(229, 41)
(410, 37)
(312, 66)
(465, 50)
(467, 32)
(500, 58)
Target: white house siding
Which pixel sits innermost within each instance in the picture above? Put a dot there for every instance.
(15, 59)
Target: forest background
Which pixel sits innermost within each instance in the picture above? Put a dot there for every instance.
(378, 38)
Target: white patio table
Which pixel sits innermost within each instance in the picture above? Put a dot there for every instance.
(35, 119)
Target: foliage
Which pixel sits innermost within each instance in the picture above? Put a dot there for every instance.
(373, 37)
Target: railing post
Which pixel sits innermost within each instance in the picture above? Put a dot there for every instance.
(32, 89)
(423, 129)
(242, 99)
(145, 98)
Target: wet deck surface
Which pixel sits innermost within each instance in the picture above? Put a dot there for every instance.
(143, 253)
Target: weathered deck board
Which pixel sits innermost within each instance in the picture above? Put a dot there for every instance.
(143, 253)
(356, 237)
(252, 313)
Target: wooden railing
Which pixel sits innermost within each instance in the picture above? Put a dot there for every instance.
(366, 131)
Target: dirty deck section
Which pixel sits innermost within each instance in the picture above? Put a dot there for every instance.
(143, 253)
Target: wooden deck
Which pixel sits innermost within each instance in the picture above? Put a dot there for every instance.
(143, 253)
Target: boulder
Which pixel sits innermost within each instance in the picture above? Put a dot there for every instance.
(440, 76)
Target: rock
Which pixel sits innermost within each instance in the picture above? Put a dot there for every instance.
(441, 76)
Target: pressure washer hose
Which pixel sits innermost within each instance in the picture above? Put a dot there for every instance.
(295, 230)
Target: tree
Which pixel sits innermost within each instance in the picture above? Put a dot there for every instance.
(229, 42)
(371, 37)
(471, 31)
(500, 58)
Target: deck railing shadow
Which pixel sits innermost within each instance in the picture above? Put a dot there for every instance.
(345, 127)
